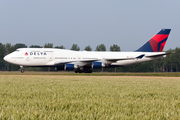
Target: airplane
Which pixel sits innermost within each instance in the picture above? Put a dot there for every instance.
(85, 61)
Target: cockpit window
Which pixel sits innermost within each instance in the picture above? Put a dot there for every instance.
(17, 50)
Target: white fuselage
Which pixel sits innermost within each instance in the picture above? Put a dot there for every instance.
(51, 56)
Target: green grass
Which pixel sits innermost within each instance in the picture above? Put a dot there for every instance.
(165, 74)
(89, 97)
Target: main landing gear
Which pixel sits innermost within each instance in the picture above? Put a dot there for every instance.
(83, 71)
(21, 69)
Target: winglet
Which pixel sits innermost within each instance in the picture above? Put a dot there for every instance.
(156, 43)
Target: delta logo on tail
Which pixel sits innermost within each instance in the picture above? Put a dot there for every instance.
(156, 43)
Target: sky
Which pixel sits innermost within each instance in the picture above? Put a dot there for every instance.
(127, 23)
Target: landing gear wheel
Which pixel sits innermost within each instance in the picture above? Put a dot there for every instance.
(90, 71)
(22, 70)
(83, 71)
(87, 71)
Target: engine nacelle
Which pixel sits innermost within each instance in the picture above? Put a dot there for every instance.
(98, 65)
(69, 67)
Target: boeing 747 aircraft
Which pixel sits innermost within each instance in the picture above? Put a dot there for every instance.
(85, 61)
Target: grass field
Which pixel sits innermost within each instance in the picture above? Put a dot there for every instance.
(89, 97)
(163, 74)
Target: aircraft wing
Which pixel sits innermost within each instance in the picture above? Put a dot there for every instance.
(158, 55)
(93, 60)
(117, 59)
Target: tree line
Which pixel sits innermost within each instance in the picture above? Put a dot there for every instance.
(169, 64)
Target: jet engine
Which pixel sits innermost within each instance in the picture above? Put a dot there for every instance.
(69, 67)
(98, 65)
(66, 67)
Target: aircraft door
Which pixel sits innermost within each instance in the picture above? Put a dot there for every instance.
(27, 55)
(27, 58)
(79, 57)
(51, 58)
(50, 54)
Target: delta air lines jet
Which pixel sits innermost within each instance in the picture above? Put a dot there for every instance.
(85, 61)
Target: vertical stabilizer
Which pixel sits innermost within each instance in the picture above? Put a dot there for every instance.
(156, 43)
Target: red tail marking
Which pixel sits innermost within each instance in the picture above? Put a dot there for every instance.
(158, 38)
(162, 46)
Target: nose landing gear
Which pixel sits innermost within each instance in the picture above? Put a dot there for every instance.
(21, 69)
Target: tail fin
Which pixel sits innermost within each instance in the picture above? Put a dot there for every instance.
(156, 43)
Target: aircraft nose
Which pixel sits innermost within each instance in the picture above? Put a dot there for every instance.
(6, 58)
